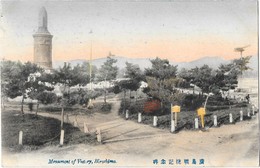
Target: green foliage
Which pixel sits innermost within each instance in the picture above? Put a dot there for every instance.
(106, 107)
(167, 94)
(13, 89)
(68, 76)
(242, 63)
(108, 70)
(134, 77)
(17, 79)
(47, 97)
(132, 107)
(226, 77)
(192, 102)
(86, 70)
(79, 96)
(161, 69)
(161, 79)
(37, 85)
(133, 71)
(203, 77)
(116, 89)
(30, 106)
(14, 77)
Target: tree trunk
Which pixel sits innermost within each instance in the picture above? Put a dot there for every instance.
(130, 96)
(62, 116)
(162, 105)
(3, 102)
(159, 88)
(22, 105)
(135, 96)
(105, 96)
(37, 108)
(124, 100)
(105, 89)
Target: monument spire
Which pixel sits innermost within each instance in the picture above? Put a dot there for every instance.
(43, 21)
(43, 42)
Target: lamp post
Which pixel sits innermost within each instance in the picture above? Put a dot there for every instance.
(210, 94)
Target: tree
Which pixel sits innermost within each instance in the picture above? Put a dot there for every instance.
(133, 71)
(16, 78)
(227, 75)
(242, 64)
(39, 87)
(203, 78)
(107, 72)
(161, 79)
(86, 66)
(133, 77)
(200, 76)
(161, 70)
(9, 71)
(168, 93)
(47, 97)
(66, 77)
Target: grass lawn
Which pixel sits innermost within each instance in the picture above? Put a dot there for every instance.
(37, 132)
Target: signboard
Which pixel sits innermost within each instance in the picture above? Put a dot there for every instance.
(201, 111)
(176, 109)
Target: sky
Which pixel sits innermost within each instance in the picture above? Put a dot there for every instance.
(176, 30)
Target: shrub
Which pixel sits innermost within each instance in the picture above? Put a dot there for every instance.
(30, 106)
(106, 107)
(47, 97)
(192, 102)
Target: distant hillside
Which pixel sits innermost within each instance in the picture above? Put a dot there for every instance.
(143, 63)
(212, 62)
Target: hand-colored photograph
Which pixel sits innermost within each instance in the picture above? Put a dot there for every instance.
(145, 83)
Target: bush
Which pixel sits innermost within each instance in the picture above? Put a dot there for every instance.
(50, 108)
(192, 102)
(47, 97)
(30, 106)
(106, 107)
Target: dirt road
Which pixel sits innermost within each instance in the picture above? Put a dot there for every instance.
(132, 144)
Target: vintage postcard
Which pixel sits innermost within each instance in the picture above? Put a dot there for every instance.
(110, 83)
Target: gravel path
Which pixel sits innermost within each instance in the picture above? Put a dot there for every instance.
(134, 144)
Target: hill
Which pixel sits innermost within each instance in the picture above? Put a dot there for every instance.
(143, 63)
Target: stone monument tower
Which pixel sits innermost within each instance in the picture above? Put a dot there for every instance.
(43, 42)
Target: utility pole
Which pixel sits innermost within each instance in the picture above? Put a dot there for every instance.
(90, 104)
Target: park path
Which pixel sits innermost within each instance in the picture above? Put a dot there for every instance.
(135, 144)
(113, 127)
(229, 145)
